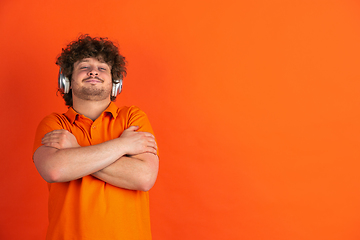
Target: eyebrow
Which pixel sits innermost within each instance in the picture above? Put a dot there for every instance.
(84, 60)
(87, 60)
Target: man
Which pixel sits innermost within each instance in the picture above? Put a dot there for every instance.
(99, 160)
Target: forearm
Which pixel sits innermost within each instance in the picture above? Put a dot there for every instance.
(135, 173)
(62, 165)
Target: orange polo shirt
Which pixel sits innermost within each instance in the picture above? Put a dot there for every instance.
(88, 208)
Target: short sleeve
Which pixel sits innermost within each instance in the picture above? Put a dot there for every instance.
(137, 117)
(48, 124)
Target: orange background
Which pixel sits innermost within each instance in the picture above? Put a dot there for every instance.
(255, 105)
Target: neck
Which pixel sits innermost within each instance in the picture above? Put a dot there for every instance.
(90, 109)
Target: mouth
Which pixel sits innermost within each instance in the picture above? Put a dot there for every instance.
(93, 80)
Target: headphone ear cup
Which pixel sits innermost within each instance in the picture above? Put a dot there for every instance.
(63, 83)
(116, 88)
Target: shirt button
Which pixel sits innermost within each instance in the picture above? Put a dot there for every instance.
(94, 127)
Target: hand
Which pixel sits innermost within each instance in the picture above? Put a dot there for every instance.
(138, 142)
(60, 139)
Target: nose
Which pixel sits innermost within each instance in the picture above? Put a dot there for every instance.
(93, 72)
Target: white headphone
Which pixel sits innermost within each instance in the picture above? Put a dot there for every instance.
(64, 85)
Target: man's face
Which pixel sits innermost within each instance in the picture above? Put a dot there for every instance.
(91, 80)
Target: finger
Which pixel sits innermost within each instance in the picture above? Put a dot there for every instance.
(49, 143)
(152, 150)
(45, 139)
(52, 144)
(152, 140)
(132, 128)
(56, 131)
(57, 134)
(53, 137)
(48, 140)
(147, 134)
(152, 145)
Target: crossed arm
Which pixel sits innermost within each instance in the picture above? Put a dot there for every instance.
(129, 161)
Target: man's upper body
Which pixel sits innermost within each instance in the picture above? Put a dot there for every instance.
(99, 160)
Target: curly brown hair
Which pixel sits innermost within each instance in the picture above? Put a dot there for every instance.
(86, 47)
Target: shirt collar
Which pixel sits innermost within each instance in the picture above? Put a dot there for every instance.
(113, 109)
(71, 114)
